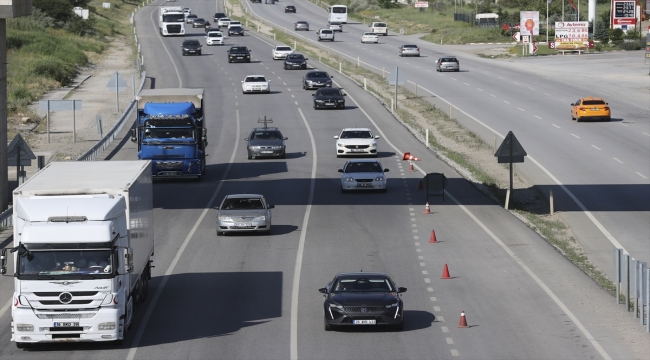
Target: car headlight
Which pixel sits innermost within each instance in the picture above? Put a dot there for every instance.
(340, 145)
(379, 178)
(260, 218)
(348, 179)
(392, 305)
(254, 147)
(340, 100)
(336, 306)
(373, 144)
(277, 147)
(225, 218)
(319, 101)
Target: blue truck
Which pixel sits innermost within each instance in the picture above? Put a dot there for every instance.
(170, 131)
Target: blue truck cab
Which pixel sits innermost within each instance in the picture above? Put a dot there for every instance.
(170, 132)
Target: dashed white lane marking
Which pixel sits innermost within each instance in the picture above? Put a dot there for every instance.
(416, 238)
(521, 109)
(436, 308)
(493, 95)
(516, 83)
(641, 175)
(430, 289)
(424, 272)
(412, 214)
(417, 243)
(267, 68)
(626, 125)
(418, 250)
(556, 126)
(537, 117)
(575, 136)
(289, 90)
(450, 341)
(454, 352)
(284, 83)
(420, 257)
(433, 298)
(595, 147)
(618, 160)
(408, 198)
(444, 329)
(412, 219)
(440, 318)
(531, 88)
(296, 102)
(547, 94)
(411, 209)
(506, 102)
(422, 264)
(414, 231)
(479, 89)
(466, 84)
(500, 78)
(236, 103)
(427, 280)
(8, 304)
(645, 133)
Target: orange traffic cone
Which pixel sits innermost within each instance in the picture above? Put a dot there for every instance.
(420, 187)
(407, 155)
(445, 273)
(432, 239)
(463, 321)
(411, 166)
(426, 209)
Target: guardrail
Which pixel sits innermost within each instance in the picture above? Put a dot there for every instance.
(632, 280)
(6, 218)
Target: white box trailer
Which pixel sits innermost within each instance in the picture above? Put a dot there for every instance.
(83, 243)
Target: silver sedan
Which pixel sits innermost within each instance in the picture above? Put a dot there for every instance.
(409, 50)
(242, 213)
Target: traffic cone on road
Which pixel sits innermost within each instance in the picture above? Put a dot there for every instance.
(463, 321)
(445, 273)
(427, 210)
(432, 239)
(406, 156)
(411, 166)
(420, 187)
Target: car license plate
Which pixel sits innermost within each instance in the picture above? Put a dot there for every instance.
(594, 109)
(65, 324)
(364, 322)
(364, 184)
(239, 57)
(243, 225)
(266, 152)
(356, 150)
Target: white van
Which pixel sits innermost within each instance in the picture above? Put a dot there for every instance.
(379, 28)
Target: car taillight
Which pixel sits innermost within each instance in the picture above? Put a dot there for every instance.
(606, 108)
(581, 109)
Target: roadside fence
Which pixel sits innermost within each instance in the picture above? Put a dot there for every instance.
(632, 281)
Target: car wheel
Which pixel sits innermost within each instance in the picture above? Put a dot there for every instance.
(326, 326)
(572, 118)
(457, 70)
(248, 61)
(578, 118)
(418, 55)
(609, 118)
(384, 190)
(400, 326)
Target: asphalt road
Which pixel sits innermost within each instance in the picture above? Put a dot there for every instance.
(255, 297)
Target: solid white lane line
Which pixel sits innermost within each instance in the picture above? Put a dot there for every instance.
(8, 304)
(556, 126)
(638, 173)
(618, 160)
(301, 247)
(142, 326)
(595, 147)
(575, 136)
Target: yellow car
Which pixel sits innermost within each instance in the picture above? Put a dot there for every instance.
(590, 108)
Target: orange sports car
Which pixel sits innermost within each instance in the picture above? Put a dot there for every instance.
(590, 108)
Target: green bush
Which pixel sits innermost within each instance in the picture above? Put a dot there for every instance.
(616, 35)
(629, 45)
(54, 68)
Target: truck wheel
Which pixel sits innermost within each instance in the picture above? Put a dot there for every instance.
(145, 288)
(22, 345)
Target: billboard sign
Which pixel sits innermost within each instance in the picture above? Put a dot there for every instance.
(623, 14)
(421, 4)
(571, 35)
(529, 22)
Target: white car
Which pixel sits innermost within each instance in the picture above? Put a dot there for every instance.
(255, 84)
(363, 174)
(234, 23)
(214, 38)
(223, 22)
(281, 51)
(379, 28)
(369, 37)
(356, 141)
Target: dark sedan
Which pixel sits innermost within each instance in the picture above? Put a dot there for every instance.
(290, 8)
(295, 61)
(199, 23)
(266, 142)
(239, 54)
(363, 298)
(191, 47)
(235, 30)
(329, 98)
(316, 79)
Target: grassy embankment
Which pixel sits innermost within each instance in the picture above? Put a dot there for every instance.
(418, 114)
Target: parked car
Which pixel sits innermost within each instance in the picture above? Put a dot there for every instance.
(325, 34)
(369, 37)
(447, 63)
(301, 25)
(244, 212)
(409, 50)
(329, 98)
(590, 108)
(295, 61)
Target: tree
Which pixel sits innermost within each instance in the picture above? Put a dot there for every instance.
(59, 10)
(602, 32)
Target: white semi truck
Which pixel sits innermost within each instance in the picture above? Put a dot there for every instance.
(83, 247)
(171, 21)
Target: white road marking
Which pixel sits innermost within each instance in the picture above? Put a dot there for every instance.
(556, 126)
(531, 88)
(411, 209)
(296, 103)
(433, 298)
(424, 272)
(293, 96)
(283, 83)
(444, 329)
(436, 308)
(420, 257)
(514, 82)
(427, 280)
(547, 94)
(618, 160)
(143, 325)
(575, 136)
(8, 304)
(537, 117)
(430, 289)
(417, 243)
(493, 95)
(595, 147)
(466, 84)
(422, 264)
(415, 237)
(645, 133)
(412, 214)
(440, 318)
(638, 173)
(500, 78)
(479, 89)
(626, 125)
(506, 102)
(293, 347)
(450, 341)
(418, 250)
(412, 219)
(454, 352)
(452, 78)
(521, 109)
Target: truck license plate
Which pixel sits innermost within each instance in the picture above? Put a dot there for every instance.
(364, 322)
(65, 324)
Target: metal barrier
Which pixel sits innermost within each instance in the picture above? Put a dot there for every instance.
(102, 144)
(6, 218)
(632, 281)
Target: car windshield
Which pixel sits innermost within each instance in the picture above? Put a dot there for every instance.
(215, 34)
(283, 48)
(379, 25)
(255, 79)
(365, 284)
(235, 28)
(242, 204)
(593, 102)
(64, 262)
(369, 34)
(317, 75)
(301, 23)
(410, 46)
(238, 49)
(356, 134)
(190, 43)
(448, 60)
(360, 167)
(328, 92)
(192, 17)
(266, 135)
(326, 31)
(224, 19)
(199, 20)
(295, 57)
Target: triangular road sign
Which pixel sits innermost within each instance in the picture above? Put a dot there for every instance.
(116, 81)
(26, 154)
(510, 147)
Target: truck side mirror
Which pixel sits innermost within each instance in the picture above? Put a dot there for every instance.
(3, 262)
(127, 255)
(134, 135)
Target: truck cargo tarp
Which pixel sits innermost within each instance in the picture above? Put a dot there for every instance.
(169, 108)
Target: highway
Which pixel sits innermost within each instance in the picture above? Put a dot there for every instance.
(255, 297)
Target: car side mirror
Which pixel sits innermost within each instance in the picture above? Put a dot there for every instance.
(386, 170)
(246, 139)
(336, 136)
(242, 81)
(322, 290)
(401, 290)
(306, 58)
(377, 136)
(340, 170)
(286, 138)
(313, 94)
(271, 207)
(345, 94)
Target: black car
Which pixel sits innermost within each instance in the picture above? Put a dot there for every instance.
(239, 54)
(199, 23)
(329, 98)
(290, 8)
(236, 30)
(191, 47)
(218, 16)
(316, 79)
(363, 298)
(295, 61)
(208, 29)
(266, 142)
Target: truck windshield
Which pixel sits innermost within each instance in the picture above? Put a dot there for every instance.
(174, 18)
(66, 262)
(174, 135)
